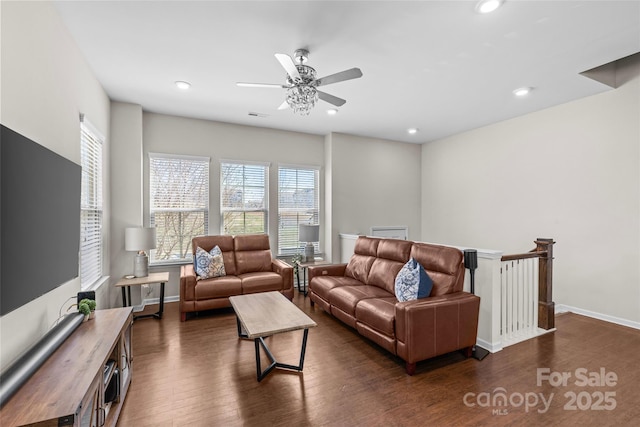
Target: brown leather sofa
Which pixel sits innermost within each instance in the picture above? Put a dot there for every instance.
(249, 267)
(362, 295)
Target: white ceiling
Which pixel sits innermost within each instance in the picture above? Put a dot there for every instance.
(435, 65)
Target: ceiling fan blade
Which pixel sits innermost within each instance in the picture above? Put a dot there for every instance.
(283, 106)
(288, 64)
(338, 102)
(353, 73)
(272, 85)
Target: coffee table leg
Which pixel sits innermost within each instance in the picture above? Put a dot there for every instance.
(275, 364)
(304, 347)
(240, 333)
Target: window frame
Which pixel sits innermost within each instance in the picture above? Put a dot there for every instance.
(265, 193)
(92, 253)
(317, 215)
(204, 206)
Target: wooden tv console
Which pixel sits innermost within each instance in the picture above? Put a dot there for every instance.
(71, 387)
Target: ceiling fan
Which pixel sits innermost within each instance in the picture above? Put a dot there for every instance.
(301, 85)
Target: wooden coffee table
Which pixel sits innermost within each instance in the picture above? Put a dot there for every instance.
(268, 313)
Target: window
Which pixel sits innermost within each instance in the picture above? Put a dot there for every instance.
(243, 198)
(91, 215)
(298, 203)
(179, 203)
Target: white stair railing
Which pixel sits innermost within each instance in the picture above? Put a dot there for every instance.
(518, 300)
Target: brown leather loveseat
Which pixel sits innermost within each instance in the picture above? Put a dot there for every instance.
(249, 267)
(362, 295)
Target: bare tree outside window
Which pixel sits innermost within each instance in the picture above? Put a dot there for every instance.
(179, 203)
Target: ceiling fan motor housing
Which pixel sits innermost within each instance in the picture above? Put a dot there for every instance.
(307, 75)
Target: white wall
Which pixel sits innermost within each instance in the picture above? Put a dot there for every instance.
(45, 85)
(374, 182)
(126, 184)
(571, 172)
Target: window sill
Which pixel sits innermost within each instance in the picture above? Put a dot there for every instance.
(97, 284)
(171, 263)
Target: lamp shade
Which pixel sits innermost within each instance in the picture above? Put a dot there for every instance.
(139, 238)
(308, 233)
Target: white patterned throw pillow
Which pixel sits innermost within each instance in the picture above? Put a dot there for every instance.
(413, 282)
(209, 264)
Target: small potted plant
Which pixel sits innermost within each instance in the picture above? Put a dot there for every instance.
(91, 304)
(296, 260)
(83, 308)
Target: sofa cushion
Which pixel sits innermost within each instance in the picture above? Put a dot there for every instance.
(225, 243)
(383, 273)
(346, 298)
(412, 282)
(443, 264)
(378, 314)
(252, 252)
(359, 266)
(218, 287)
(394, 249)
(321, 285)
(260, 282)
(364, 253)
(209, 264)
(392, 254)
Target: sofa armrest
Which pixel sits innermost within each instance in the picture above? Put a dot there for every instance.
(187, 283)
(284, 270)
(326, 270)
(437, 325)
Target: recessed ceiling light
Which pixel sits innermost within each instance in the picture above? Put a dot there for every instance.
(487, 6)
(332, 112)
(522, 91)
(412, 131)
(183, 85)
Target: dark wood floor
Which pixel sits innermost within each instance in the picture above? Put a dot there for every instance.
(198, 373)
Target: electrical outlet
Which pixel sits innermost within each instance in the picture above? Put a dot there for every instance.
(146, 290)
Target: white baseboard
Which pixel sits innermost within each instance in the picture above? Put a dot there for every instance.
(150, 301)
(561, 308)
(492, 347)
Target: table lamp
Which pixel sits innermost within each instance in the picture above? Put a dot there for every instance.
(308, 233)
(140, 239)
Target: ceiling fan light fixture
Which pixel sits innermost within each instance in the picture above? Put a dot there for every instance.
(488, 6)
(302, 98)
(302, 95)
(182, 85)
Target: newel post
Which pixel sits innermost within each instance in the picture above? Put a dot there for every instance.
(546, 306)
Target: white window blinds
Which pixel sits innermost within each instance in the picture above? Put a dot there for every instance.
(243, 197)
(298, 203)
(179, 203)
(91, 211)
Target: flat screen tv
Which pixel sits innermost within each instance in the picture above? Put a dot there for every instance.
(39, 220)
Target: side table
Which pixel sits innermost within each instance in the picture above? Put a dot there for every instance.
(152, 278)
